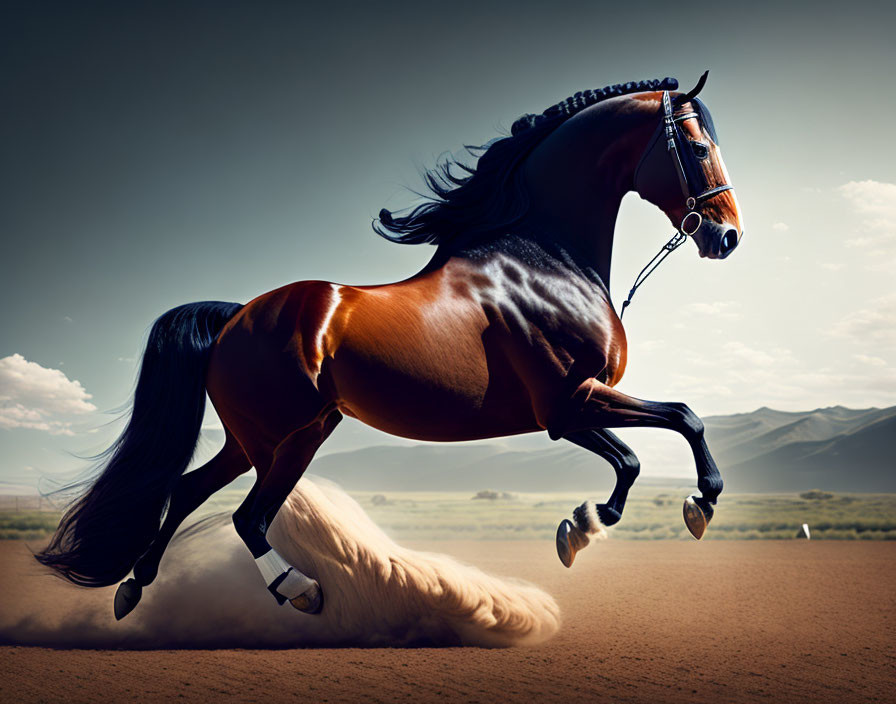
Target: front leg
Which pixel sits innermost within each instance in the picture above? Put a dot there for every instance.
(605, 444)
(589, 519)
(596, 405)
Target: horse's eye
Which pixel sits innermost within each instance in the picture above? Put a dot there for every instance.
(701, 151)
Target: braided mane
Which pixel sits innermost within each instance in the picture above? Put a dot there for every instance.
(583, 99)
(488, 198)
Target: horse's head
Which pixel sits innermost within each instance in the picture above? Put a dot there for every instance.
(681, 171)
(562, 175)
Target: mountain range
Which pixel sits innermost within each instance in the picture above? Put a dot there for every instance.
(838, 449)
(834, 449)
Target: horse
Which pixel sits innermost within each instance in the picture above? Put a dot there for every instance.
(508, 329)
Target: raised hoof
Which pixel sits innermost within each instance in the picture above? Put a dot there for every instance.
(570, 540)
(126, 598)
(311, 602)
(697, 515)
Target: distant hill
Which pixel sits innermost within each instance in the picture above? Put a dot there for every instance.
(743, 435)
(449, 467)
(837, 449)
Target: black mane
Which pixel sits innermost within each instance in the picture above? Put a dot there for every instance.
(490, 197)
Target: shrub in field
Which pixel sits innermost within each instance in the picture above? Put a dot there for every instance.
(490, 495)
(816, 495)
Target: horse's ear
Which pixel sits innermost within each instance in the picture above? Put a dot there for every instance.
(679, 99)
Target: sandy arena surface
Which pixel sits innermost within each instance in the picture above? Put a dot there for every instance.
(643, 622)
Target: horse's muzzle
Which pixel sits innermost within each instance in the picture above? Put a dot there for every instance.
(728, 242)
(716, 240)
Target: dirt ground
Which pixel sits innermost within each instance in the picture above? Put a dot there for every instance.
(658, 621)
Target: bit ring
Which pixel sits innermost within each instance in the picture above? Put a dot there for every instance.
(685, 219)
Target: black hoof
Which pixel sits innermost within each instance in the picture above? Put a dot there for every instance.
(570, 539)
(311, 602)
(697, 515)
(126, 598)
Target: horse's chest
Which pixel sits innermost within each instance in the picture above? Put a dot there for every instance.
(569, 320)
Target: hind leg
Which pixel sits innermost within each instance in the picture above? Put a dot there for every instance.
(572, 535)
(192, 490)
(253, 518)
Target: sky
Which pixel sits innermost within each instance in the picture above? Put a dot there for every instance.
(153, 154)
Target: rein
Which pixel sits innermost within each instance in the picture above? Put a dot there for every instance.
(678, 239)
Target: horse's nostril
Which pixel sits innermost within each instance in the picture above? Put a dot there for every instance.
(729, 242)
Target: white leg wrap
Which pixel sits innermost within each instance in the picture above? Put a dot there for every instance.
(272, 566)
(594, 526)
(295, 584)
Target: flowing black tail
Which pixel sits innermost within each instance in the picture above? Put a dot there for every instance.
(104, 533)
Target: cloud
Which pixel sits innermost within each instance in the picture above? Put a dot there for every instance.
(871, 198)
(651, 345)
(751, 357)
(874, 202)
(35, 397)
(722, 309)
(724, 356)
(874, 323)
(871, 361)
(731, 375)
(788, 386)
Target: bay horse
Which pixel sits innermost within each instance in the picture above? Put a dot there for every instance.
(508, 329)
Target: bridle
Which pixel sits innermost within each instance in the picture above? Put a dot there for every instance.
(695, 188)
(691, 176)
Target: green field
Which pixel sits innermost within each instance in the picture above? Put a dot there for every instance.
(27, 525)
(652, 513)
(649, 515)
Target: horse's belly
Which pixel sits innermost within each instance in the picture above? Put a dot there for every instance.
(421, 389)
(437, 424)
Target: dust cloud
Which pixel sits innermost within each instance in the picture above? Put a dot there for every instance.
(209, 594)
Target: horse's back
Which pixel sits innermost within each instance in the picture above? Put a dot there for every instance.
(413, 359)
(464, 351)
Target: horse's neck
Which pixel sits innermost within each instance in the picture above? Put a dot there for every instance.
(573, 206)
(576, 179)
(587, 239)
(597, 235)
